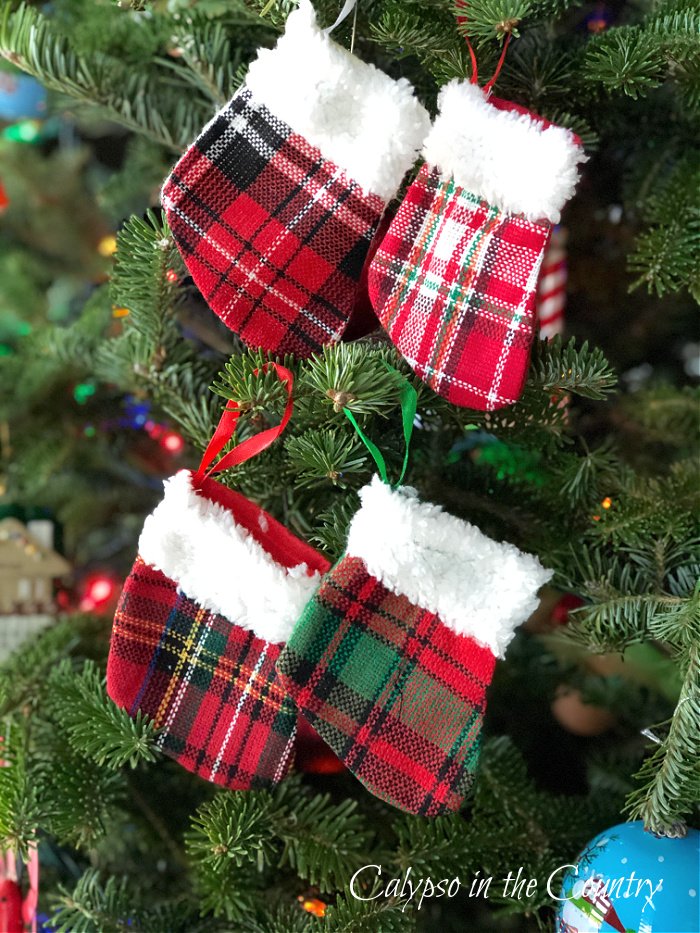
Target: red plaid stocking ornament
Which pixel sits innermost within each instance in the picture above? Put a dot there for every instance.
(215, 590)
(455, 277)
(275, 205)
(391, 658)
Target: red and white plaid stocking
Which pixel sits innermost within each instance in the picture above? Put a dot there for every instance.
(275, 205)
(455, 277)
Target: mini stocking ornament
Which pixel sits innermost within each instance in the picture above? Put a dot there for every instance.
(216, 588)
(392, 656)
(454, 279)
(275, 205)
(391, 659)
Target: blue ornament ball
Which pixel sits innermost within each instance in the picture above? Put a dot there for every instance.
(21, 97)
(632, 881)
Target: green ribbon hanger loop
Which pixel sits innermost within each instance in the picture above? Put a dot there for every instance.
(409, 405)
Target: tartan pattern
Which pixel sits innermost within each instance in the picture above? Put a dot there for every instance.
(454, 283)
(274, 235)
(396, 694)
(209, 685)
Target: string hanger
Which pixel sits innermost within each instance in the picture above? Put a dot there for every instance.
(462, 19)
(350, 6)
(409, 403)
(347, 9)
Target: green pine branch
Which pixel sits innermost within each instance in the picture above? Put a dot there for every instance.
(234, 834)
(214, 61)
(349, 915)
(23, 676)
(93, 724)
(625, 59)
(142, 100)
(669, 779)
(146, 254)
(21, 803)
(491, 19)
(117, 903)
(560, 368)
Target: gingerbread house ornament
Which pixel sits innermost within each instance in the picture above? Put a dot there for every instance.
(28, 567)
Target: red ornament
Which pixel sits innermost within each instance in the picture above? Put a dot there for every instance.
(312, 755)
(172, 276)
(10, 907)
(4, 200)
(560, 613)
(64, 599)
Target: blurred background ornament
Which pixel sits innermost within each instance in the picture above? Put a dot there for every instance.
(11, 907)
(21, 96)
(550, 304)
(598, 19)
(17, 909)
(313, 905)
(561, 610)
(28, 567)
(312, 755)
(579, 717)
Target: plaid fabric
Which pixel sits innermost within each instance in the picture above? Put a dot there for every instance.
(274, 235)
(454, 282)
(395, 693)
(209, 685)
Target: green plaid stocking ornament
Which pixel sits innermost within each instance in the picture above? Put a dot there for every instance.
(392, 656)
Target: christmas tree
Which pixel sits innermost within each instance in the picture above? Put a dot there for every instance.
(114, 374)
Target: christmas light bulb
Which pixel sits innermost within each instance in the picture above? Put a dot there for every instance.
(172, 442)
(107, 245)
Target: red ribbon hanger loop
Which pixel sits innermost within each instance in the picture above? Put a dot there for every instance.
(462, 19)
(252, 446)
(501, 60)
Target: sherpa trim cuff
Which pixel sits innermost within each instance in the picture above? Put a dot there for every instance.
(370, 125)
(477, 586)
(510, 159)
(219, 564)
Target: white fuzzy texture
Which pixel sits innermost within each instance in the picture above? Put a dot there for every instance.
(507, 158)
(370, 125)
(218, 564)
(477, 586)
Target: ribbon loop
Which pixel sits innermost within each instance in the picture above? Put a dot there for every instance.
(489, 84)
(252, 446)
(409, 405)
(462, 20)
(347, 9)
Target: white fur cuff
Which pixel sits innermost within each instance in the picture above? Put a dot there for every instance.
(508, 158)
(478, 587)
(370, 125)
(217, 563)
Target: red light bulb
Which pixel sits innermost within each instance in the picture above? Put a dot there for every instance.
(172, 442)
(99, 591)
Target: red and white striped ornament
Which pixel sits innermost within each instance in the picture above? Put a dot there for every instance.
(551, 287)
